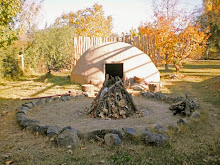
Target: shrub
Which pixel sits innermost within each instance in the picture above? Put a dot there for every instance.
(10, 66)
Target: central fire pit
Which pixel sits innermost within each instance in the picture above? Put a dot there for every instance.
(113, 101)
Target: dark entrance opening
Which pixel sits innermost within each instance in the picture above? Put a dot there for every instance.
(114, 70)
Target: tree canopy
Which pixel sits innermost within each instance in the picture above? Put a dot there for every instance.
(8, 11)
(90, 22)
(210, 18)
(176, 36)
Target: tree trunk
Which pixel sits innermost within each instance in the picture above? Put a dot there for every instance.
(177, 70)
(166, 65)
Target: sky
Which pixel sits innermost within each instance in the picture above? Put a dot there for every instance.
(126, 14)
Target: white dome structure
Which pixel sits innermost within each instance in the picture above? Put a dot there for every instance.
(116, 59)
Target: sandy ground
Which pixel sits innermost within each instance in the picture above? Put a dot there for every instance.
(72, 113)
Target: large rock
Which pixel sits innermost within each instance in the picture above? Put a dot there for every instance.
(100, 133)
(130, 133)
(21, 117)
(160, 129)
(38, 128)
(79, 133)
(156, 139)
(103, 132)
(120, 133)
(53, 131)
(49, 100)
(68, 138)
(182, 121)
(23, 109)
(63, 98)
(195, 116)
(112, 140)
(27, 122)
(173, 126)
(29, 105)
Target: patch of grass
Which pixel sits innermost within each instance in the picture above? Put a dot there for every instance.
(120, 158)
(197, 143)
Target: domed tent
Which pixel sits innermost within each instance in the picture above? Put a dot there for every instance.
(116, 59)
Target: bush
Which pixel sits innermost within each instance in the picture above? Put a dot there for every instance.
(10, 66)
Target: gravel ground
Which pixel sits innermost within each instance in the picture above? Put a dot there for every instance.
(72, 113)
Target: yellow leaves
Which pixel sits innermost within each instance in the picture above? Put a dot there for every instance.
(89, 22)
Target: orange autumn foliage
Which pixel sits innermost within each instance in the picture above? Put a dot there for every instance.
(176, 37)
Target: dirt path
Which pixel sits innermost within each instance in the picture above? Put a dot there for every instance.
(72, 113)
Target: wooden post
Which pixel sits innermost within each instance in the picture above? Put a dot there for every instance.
(75, 51)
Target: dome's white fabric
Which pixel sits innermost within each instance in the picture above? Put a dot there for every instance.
(91, 65)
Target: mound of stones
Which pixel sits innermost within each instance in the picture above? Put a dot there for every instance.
(70, 137)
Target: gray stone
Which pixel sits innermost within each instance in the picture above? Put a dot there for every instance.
(72, 97)
(178, 99)
(29, 105)
(195, 115)
(81, 95)
(170, 99)
(79, 133)
(43, 101)
(130, 133)
(182, 121)
(42, 129)
(53, 130)
(23, 109)
(128, 130)
(28, 121)
(112, 140)
(160, 129)
(68, 98)
(56, 99)
(100, 133)
(144, 133)
(120, 133)
(68, 138)
(63, 98)
(173, 126)
(157, 95)
(150, 95)
(144, 93)
(33, 126)
(156, 139)
(21, 117)
(36, 102)
(49, 100)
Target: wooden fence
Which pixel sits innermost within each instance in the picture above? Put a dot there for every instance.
(146, 44)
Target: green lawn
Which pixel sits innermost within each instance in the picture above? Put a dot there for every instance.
(197, 143)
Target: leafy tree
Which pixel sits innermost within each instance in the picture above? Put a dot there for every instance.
(163, 28)
(52, 47)
(190, 43)
(176, 37)
(10, 67)
(89, 22)
(27, 19)
(8, 10)
(210, 18)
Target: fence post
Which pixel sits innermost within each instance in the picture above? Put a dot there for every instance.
(75, 51)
